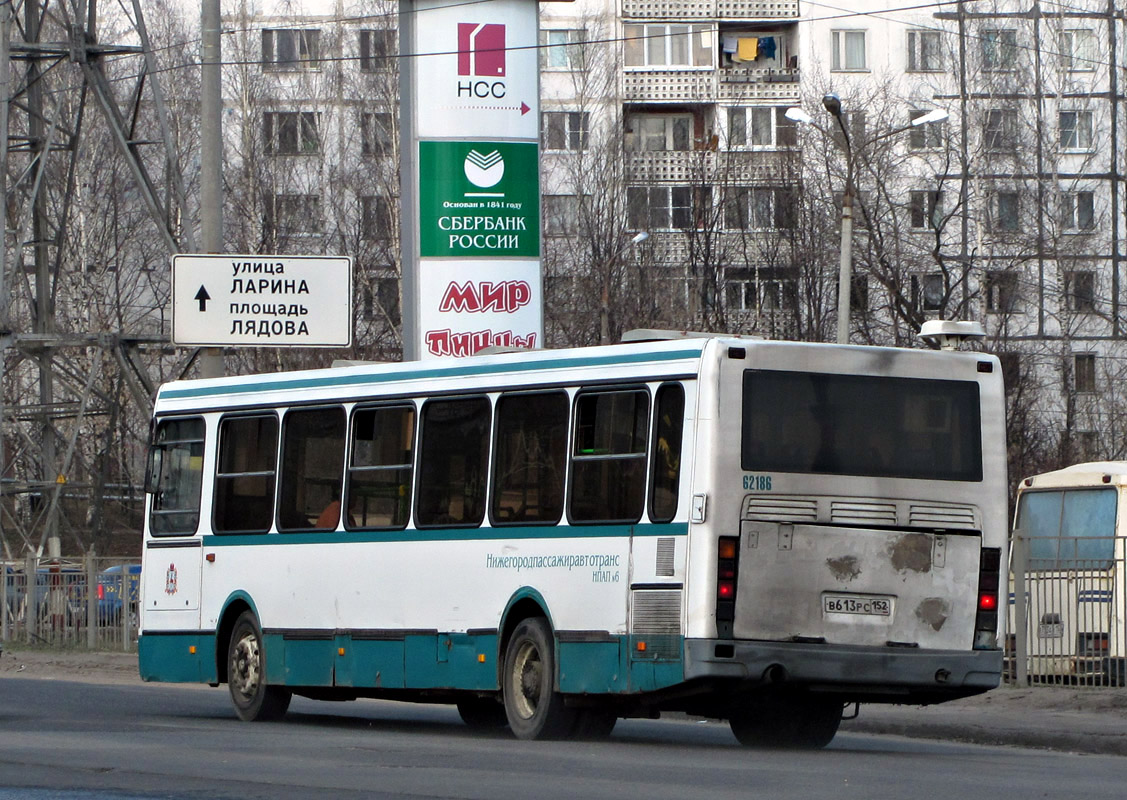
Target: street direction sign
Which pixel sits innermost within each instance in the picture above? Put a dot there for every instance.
(261, 301)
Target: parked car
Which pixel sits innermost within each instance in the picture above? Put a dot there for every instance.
(119, 586)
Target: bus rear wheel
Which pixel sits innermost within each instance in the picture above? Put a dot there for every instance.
(253, 698)
(534, 708)
(796, 723)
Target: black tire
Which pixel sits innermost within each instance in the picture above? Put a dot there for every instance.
(253, 698)
(483, 713)
(795, 723)
(534, 708)
(594, 724)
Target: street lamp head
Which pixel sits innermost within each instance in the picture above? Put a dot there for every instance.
(796, 114)
(640, 237)
(832, 103)
(935, 115)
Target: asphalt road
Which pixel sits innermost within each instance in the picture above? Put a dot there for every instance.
(61, 740)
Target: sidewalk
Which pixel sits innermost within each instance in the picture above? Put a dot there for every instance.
(1088, 720)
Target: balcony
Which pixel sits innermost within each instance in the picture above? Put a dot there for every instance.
(777, 86)
(670, 166)
(669, 86)
(710, 9)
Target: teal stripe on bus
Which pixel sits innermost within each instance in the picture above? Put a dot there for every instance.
(448, 534)
(328, 381)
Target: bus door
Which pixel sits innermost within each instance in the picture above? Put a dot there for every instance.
(172, 561)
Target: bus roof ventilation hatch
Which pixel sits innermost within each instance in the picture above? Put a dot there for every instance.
(949, 334)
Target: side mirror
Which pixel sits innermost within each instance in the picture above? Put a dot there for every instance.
(153, 469)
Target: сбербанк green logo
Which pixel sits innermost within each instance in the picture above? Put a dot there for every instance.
(479, 199)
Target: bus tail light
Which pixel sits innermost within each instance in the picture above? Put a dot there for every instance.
(986, 618)
(727, 571)
(1092, 644)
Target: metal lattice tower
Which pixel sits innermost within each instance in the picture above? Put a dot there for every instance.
(53, 69)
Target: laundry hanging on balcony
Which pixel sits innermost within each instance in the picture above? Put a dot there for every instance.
(747, 49)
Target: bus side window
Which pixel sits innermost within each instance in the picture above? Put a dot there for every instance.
(608, 460)
(453, 462)
(666, 468)
(176, 476)
(244, 479)
(378, 494)
(312, 465)
(529, 459)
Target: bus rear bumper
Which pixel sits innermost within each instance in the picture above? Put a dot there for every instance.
(898, 673)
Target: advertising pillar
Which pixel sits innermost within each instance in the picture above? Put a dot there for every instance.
(471, 175)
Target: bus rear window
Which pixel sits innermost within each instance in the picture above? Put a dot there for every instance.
(1069, 529)
(861, 425)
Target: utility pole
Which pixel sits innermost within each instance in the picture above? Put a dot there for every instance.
(211, 152)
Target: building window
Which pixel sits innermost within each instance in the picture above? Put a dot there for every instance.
(763, 290)
(565, 130)
(666, 207)
(923, 51)
(1084, 371)
(1005, 211)
(290, 48)
(760, 127)
(292, 215)
(376, 134)
(927, 292)
(1080, 290)
(999, 49)
(754, 208)
(1001, 125)
(381, 299)
(1001, 291)
(291, 133)
(658, 132)
(377, 50)
(924, 137)
(375, 217)
(1077, 211)
(925, 209)
(562, 49)
(848, 51)
(858, 293)
(561, 214)
(671, 45)
(1075, 130)
(1078, 50)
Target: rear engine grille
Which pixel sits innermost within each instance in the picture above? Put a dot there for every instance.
(844, 512)
(942, 517)
(656, 625)
(666, 549)
(781, 509)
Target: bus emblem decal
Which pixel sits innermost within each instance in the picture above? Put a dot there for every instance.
(170, 580)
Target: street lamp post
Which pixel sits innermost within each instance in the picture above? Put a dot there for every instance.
(604, 307)
(832, 104)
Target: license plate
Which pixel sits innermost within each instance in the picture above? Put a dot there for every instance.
(1050, 630)
(857, 604)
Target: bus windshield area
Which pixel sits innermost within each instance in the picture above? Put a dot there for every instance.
(861, 425)
(1069, 528)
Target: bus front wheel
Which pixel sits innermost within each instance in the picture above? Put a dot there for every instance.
(798, 723)
(534, 708)
(254, 699)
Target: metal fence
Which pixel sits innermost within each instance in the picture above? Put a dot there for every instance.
(88, 602)
(1066, 620)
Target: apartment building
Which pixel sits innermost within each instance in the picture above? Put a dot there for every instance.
(669, 118)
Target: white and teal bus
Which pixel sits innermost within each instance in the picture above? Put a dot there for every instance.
(757, 531)
(1071, 541)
